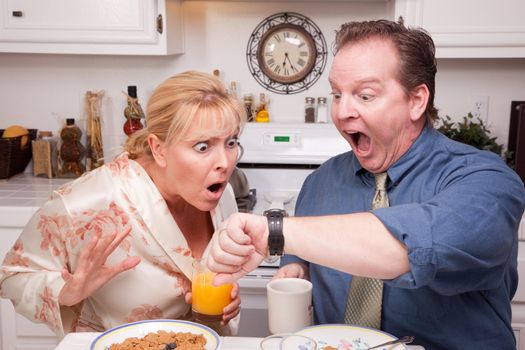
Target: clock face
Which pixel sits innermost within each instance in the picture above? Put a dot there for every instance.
(287, 53)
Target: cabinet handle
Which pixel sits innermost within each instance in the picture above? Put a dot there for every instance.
(160, 27)
(18, 13)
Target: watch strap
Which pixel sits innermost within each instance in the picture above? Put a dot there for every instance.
(275, 229)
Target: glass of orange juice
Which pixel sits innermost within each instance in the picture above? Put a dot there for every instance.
(208, 300)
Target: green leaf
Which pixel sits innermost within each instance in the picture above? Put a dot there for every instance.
(474, 133)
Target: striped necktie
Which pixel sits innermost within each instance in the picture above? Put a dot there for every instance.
(363, 306)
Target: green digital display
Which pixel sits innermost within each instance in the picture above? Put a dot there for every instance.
(281, 138)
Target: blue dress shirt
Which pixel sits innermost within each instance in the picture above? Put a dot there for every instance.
(457, 210)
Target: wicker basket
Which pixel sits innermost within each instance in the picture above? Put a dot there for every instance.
(13, 158)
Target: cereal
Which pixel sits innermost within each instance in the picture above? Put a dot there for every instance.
(163, 340)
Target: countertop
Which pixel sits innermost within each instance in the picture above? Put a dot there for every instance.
(21, 196)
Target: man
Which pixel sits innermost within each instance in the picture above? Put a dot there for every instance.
(445, 248)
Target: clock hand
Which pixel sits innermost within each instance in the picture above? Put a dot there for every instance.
(288, 58)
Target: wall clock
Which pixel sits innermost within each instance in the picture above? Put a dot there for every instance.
(286, 53)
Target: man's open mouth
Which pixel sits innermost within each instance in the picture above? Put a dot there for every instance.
(360, 140)
(355, 136)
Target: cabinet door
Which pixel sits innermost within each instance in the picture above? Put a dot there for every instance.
(89, 27)
(16, 332)
(469, 28)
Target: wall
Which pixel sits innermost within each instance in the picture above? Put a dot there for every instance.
(503, 80)
(40, 91)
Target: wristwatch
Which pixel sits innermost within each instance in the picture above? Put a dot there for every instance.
(275, 228)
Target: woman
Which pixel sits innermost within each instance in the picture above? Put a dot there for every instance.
(117, 244)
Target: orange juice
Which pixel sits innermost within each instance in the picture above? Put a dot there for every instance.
(208, 299)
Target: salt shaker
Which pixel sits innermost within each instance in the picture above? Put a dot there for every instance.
(322, 110)
(309, 110)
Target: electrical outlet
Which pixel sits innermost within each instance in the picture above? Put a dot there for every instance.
(480, 108)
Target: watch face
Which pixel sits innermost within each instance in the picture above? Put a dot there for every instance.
(287, 53)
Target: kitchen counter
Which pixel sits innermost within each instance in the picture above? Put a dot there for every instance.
(22, 195)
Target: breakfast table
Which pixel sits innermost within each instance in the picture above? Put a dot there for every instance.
(82, 341)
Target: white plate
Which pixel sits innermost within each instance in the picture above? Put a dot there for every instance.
(142, 328)
(342, 337)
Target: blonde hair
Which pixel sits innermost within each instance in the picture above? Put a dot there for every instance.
(181, 101)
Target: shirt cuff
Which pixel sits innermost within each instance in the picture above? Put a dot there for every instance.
(413, 229)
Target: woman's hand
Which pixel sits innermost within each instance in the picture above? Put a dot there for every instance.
(92, 272)
(294, 270)
(232, 309)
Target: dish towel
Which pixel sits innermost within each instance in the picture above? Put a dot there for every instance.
(363, 306)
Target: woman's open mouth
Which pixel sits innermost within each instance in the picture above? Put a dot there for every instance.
(216, 187)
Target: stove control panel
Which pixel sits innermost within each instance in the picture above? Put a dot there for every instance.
(282, 139)
(279, 143)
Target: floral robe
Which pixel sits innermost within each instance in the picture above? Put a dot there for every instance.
(119, 196)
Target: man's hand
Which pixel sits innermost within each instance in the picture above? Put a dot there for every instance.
(292, 270)
(241, 246)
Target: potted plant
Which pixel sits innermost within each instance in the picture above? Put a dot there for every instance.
(470, 132)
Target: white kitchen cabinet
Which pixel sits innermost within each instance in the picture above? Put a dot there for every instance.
(469, 28)
(118, 27)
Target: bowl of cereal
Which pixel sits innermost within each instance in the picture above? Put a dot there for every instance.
(158, 334)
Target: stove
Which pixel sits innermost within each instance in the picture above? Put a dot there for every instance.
(278, 157)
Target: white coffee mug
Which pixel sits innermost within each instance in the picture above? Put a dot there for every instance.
(289, 304)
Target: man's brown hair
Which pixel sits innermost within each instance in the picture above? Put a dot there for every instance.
(415, 49)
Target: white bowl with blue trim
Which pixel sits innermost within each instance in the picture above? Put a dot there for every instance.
(141, 328)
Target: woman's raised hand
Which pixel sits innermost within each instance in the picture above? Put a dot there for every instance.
(92, 272)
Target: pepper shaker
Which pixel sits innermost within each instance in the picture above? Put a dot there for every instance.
(309, 110)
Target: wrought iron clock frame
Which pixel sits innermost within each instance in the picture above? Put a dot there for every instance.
(253, 49)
